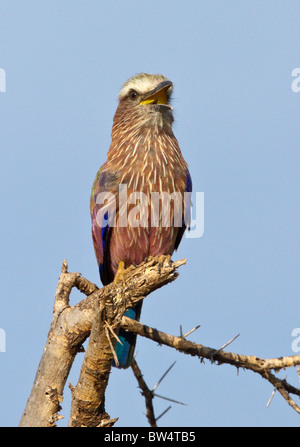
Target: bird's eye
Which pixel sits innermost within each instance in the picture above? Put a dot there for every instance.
(132, 94)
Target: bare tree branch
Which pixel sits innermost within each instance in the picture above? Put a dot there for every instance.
(100, 314)
(88, 396)
(261, 366)
(146, 392)
(70, 327)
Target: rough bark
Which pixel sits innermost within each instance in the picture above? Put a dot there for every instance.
(70, 327)
(99, 315)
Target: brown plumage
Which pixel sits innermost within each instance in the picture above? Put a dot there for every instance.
(144, 155)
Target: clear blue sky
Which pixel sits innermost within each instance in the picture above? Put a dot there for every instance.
(237, 122)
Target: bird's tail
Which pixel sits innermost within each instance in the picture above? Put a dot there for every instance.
(125, 350)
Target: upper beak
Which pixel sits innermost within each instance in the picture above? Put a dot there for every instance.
(158, 95)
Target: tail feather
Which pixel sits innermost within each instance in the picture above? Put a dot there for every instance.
(125, 350)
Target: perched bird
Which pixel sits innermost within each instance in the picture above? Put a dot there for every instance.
(144, 158)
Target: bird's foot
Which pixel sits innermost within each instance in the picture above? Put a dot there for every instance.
(119, 276)
(165, 258)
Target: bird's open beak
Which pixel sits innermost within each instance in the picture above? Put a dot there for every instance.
(158, 95)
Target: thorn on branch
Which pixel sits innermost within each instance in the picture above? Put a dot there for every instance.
(163, 376)
(223, 347)
(150, 394)
(164, 412)
(169, 399)
(189, 332)
(271, 397)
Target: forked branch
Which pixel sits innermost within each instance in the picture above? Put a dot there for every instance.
(70, 327)
(100, 314)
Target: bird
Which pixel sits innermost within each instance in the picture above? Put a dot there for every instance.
(144, 161)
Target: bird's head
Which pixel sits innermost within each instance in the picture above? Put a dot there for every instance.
(145, 100)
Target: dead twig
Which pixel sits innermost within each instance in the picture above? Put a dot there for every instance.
(146, 392)
(253, 363)
(150, 394)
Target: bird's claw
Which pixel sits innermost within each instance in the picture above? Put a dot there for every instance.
(119, 276)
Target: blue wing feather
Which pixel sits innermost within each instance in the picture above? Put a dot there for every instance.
(187, 210)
